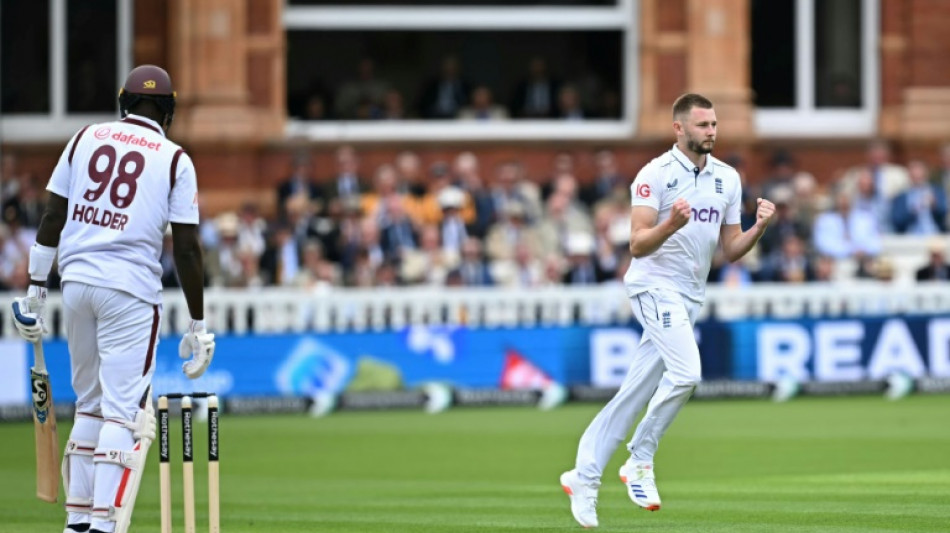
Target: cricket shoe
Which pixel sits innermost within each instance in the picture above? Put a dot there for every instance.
(583, 498)
(641, 485)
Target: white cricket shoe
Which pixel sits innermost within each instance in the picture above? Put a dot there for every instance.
(583, 498)
(641, 485)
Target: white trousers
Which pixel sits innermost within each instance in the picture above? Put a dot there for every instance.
(112, 338)
(664, 372)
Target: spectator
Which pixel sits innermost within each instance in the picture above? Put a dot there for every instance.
(281, 261)
(362, 97)
(922, 208)
(315, 108)
(510, 186)
(473, 269)
(429, 209)
(781, 173)
(607, 180)
(581, 269)
(889, 179)
(28, 202)
(866, 199)
(468, 177)
(385, 186)
(393, 107)
(431, 262)
(522, 270)
(347, 181)
(569, 104)
(397, 235)
(412, 179)
(563, 217)
(452, 227)
(315, 272)
(843, 232)
(251, 229)
(445, 96)
(513, 228)
(937, 268)
(941, 176)
(483, 106)
(300, 181)
(789, 264)
(536, 96)
(784, 224)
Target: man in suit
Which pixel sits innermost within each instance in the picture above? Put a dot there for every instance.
(937, 268)
(300, 181)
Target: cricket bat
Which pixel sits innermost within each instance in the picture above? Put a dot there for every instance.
(44, 426)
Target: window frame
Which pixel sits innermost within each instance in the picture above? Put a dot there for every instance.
(623, 17)
(806, 120)
(58, 124)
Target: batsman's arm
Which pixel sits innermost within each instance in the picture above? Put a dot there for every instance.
(47, 238)
(189, 262)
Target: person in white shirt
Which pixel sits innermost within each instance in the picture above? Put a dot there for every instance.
(685, 203)
(116, 187)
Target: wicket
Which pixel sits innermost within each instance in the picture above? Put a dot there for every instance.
(188, 474)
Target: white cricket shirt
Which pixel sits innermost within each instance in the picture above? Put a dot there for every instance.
(683, 261)
(125, 182)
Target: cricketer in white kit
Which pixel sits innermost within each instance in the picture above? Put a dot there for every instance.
(685, 204)
(116, 187)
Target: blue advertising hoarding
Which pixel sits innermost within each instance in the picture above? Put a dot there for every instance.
(307, 364)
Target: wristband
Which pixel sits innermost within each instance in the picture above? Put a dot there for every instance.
(41, 261)
(197, 325)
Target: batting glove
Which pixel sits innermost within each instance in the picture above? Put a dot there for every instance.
(28, 314)
(198, 345)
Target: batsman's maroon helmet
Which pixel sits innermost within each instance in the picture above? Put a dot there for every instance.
(152, 83)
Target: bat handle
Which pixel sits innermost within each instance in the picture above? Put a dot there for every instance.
(38, 357)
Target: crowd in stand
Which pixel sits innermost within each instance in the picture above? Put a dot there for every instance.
(451, 95)
(456, 223)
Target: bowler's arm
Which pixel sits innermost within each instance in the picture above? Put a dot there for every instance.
(735, 242)
(646, 236)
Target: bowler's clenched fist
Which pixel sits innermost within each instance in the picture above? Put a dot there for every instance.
(680, 213)
(764, 212)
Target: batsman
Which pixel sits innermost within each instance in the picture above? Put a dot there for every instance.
(113, 192)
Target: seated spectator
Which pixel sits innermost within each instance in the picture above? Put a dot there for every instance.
(281, 261)
(362, 97)
(385, 186)
(523, 270)
(866, 199)
(315, 272)
(347, 181)
(536, 96)
(844, 232)
(785, 223)
(509, 186)
(412, 180)
(445, 96)
(513, 229)
(569, 104)
(782, 171)
(28, 201)
(315, 108)
(608, 181)
(562, 218)
(452, 227)
(889, 178)
(581, 269)
(300, 181)
(789, 264)
(937, 268)
(466, 173)
(392, 107)
(398, 234)
(824, 268)
(922, 208)
(483, 107)
(473, 269)
(431, 262)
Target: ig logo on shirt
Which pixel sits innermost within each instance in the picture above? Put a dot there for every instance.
(643, 190)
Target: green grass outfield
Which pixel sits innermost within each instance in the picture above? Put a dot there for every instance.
(856, 464)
